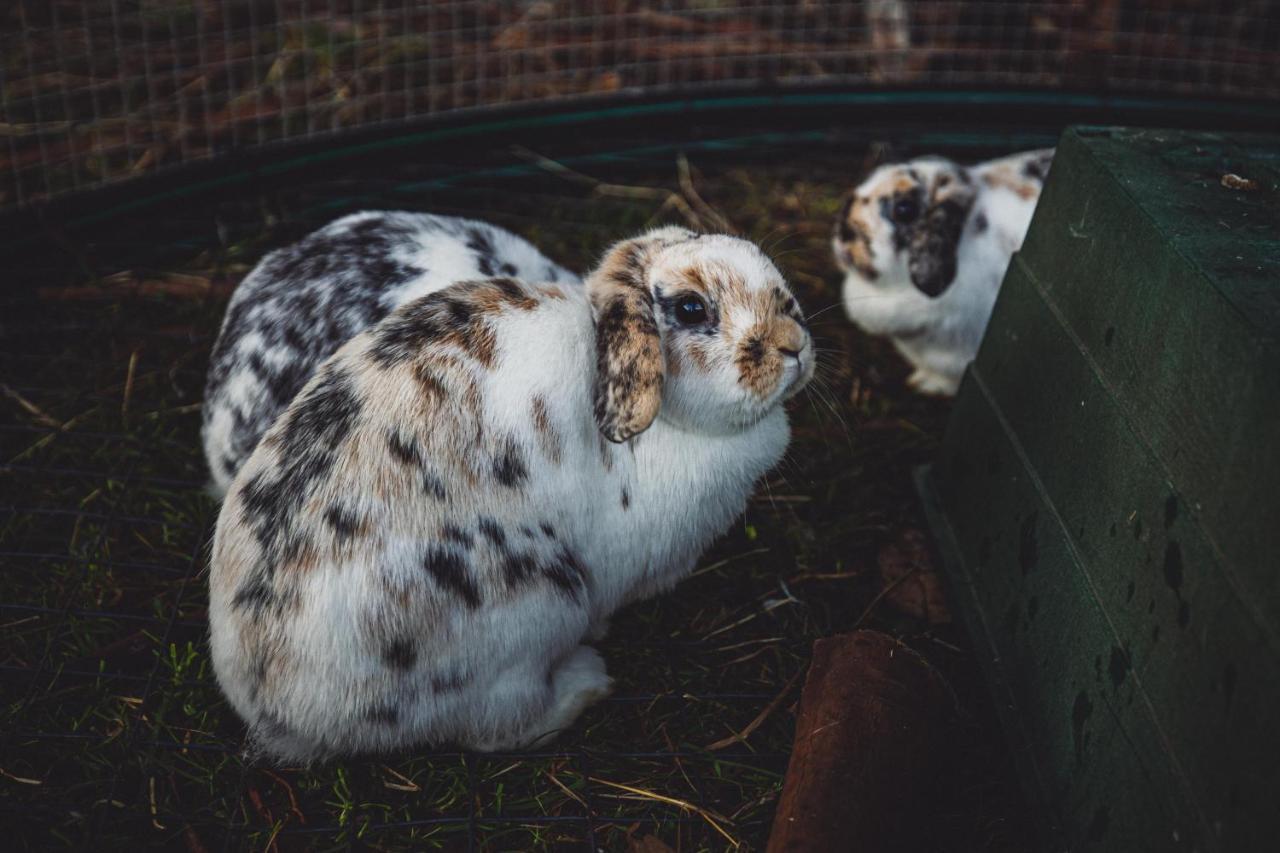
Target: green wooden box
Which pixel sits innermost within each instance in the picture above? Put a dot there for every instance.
(1107, 498)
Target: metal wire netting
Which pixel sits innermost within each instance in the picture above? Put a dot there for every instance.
(96, 91)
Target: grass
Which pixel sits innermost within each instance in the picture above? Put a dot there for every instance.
(115, 733)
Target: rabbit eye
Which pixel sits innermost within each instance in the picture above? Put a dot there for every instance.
(690, 310)
(905, 210)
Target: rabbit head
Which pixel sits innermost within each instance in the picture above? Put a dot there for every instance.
(701, 330)
(904, 222)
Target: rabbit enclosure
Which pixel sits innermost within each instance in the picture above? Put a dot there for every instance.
(155, 151)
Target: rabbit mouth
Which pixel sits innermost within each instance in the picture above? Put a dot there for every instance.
(800, 367)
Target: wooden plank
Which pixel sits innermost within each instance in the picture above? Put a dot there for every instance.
(1105, 602)
(1171, 284)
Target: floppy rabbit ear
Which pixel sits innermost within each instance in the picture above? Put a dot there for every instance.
(629, 363)
(932, 252)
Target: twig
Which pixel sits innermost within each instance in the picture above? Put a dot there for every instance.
(22, 779)
(563, 787)
(662, 798)
(154, 812)
(30, 407)
(727, 560)
(293, 801)
(669, 198)
(741, 737)
(685, 177)
(128, 384)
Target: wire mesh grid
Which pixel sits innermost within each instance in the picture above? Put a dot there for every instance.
(115, 733)
(95, 92)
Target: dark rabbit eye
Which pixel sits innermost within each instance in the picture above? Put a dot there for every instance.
(690, 310)
(905, 210)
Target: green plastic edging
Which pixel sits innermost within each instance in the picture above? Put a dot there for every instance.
(743, 102)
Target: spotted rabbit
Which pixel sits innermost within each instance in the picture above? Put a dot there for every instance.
(422, 543)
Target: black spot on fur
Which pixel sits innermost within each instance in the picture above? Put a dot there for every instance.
(568, 575)
(452, 533)
(1037, 168)
(980, 223)
(387, 715)
(508, 269)
(626, 498)
(479, 241)
(305, 300)
(493, 531)
(518, 568)
(311, 434)
(450, 573)
(400, 654)
(446, 314)
(509, 468)
(753, 351)
(254, 594)
(342, 520)
(404, 449)
(548, 530)
(933, 246)
(449, 682)
(432, 485)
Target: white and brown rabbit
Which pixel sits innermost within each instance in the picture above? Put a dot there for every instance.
(423, 542)
(303, 302)
(924, 246)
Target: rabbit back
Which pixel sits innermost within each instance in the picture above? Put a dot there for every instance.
(397, 561)
(302, 302)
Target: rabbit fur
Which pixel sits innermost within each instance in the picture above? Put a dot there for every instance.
(302, 302)
(464, 493)
(924, 246)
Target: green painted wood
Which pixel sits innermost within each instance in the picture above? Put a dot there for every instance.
(1106, 496)
(1171, 282)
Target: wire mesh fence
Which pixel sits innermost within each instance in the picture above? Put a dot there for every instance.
(96, 91)
(114, 733)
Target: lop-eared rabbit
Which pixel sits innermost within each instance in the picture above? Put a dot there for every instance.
(421, 545)
(924, 246)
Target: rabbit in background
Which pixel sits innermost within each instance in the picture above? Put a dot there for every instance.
(924, 246)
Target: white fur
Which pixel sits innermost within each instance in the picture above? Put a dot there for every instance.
(520, 652)
(939, 336)
(239, 402)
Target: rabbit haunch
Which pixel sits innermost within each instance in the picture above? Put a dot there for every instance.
(304, 301)
(421, 543)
